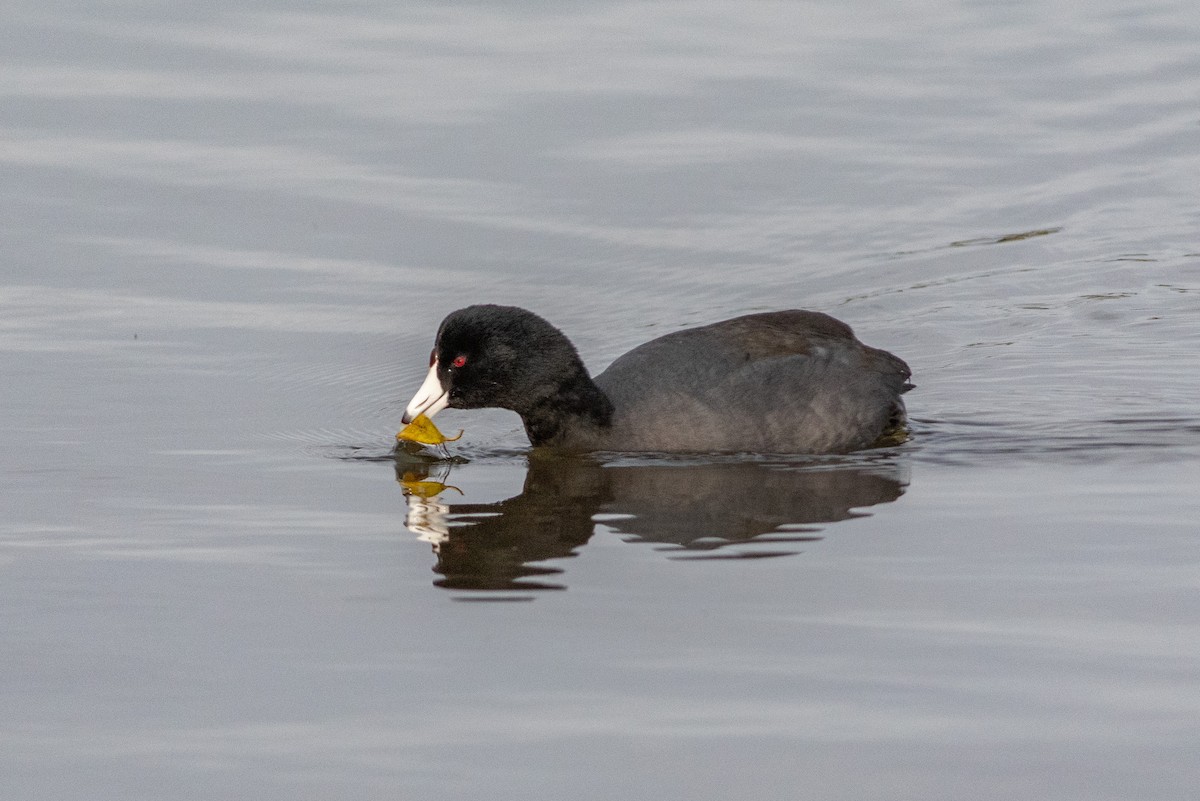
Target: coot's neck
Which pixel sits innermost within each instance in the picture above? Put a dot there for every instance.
(577, 410)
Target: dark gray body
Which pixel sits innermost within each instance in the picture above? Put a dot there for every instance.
(790, 381)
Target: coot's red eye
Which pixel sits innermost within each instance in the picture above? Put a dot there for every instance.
(459, 361)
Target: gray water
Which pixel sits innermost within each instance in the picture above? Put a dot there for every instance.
(229, 232)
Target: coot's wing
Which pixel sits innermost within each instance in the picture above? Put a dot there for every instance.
(780, 381)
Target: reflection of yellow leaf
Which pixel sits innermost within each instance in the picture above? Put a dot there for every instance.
(423, 487)
(423, 430)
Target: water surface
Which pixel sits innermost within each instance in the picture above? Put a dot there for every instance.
(229, 233)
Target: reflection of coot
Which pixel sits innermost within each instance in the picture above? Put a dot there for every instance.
(489, 546)
(695, 506)
(705, 506)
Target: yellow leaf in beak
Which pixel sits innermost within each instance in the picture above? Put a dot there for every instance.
(423, 430)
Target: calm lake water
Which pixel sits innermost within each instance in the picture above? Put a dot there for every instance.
(229, 231)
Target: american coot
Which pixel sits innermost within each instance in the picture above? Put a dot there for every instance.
(780, 382)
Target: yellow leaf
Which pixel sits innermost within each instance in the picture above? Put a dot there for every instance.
(423, 430)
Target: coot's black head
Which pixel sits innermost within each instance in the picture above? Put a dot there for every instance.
(496, 356)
